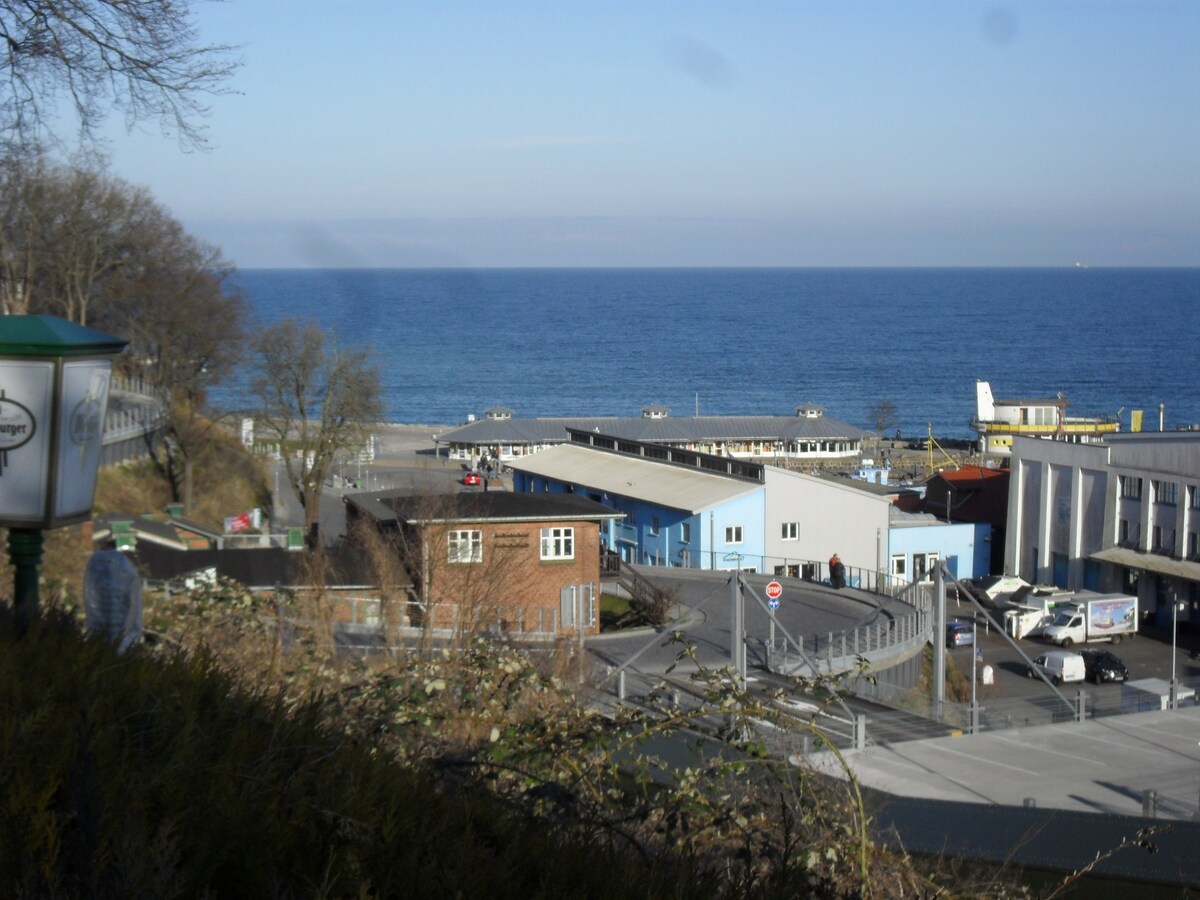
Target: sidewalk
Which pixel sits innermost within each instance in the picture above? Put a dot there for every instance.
(1102, 765)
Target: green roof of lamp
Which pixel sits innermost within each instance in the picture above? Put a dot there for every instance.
(52, 336)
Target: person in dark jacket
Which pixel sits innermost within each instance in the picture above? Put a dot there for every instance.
(837, 572)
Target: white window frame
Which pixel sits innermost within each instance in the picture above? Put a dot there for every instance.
(899, 565)
(790, 531)
(464, 545)
(558, 543)
(685, 532)
(733, 534)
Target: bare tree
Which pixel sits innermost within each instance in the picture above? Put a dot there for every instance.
(140, 57)
(78, 243)
(316, 402)
(882, 415)
(94, 226)
(22, 206)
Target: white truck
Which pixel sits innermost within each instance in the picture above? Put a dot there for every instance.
(1093, 617)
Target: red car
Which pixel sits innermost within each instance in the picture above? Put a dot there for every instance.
(471, 478)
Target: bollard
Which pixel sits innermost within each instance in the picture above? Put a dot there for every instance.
(1150, 804)
(621, 685)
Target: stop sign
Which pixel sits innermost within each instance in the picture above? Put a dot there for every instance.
(774, 590)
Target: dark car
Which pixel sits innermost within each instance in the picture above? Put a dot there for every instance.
(1102, 666)
(959, 634)
(471, 478)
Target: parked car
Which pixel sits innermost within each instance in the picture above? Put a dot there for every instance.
(1060, 666)
(959, 634)
(1102, 666)
(471, 478)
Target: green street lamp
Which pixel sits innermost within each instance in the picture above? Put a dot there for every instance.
(54, 380)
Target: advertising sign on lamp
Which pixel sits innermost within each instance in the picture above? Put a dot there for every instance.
(54, 383)
(25, 394)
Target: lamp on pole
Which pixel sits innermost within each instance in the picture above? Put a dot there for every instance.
(54, 382)
(1176, 606)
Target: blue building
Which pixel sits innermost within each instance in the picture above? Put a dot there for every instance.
(675, 514)
(917, 541)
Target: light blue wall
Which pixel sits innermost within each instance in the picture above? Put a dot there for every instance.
(963, 547)
(749, 512)
(636, 539)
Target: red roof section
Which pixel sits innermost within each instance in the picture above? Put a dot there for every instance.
(971, 473)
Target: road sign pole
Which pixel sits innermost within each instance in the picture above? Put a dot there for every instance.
(774, 592)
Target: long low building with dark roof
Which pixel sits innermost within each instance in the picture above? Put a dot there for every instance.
(808, 435)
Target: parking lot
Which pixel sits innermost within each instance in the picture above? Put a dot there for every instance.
(1148, 655)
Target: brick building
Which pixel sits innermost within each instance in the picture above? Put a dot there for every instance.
(519, 563)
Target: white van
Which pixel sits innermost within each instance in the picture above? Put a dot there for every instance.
(1060, 666)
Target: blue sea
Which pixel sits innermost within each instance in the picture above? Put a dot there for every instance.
(592, 342)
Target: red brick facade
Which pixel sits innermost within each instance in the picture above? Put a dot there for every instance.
(506, 583)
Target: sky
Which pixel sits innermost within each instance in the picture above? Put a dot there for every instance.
(387, 133)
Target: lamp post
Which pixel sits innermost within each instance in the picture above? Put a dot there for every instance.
(54, 381)
(1176, 606)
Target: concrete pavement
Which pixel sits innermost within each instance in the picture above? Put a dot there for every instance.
(1100, 765)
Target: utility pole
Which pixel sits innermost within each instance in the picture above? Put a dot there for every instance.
(737, 640)
(939, 640)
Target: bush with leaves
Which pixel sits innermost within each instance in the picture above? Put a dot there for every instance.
(655, 779)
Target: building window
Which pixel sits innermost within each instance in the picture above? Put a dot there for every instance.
(899, 565)
(654, 525)
(1166, 492)
(558, 543)
(1193, 496)
(791, 531)
(465, 546)
(1131, 488)
(733, 534)
(1164, 540)
(1193, 547)
(685, 532)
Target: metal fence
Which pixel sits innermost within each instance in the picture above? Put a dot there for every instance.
(517, 621)
(843, 651)
(998, 714)
(893, 633)
(136, 412)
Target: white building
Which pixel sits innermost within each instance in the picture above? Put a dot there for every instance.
(808, 435)
(1122, 515)
(811, 518)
